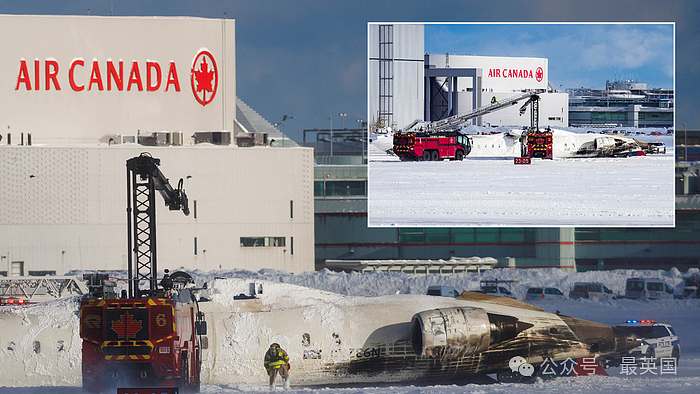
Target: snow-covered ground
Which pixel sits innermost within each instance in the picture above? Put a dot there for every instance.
(684, 315)
(487, 189)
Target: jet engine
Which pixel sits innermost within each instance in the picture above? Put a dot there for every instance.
(452, 333)
(604, 145)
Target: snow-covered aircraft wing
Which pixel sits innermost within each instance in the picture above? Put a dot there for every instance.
(492, 299)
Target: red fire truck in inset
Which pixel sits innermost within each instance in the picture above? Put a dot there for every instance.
(539, 144)
(451, 145)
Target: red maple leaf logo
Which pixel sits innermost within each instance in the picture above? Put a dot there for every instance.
(539, 74)
(204, 77)
(126, 327)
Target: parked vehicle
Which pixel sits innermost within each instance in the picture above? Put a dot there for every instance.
(650, 288)
(493, 287)
(451, 145)
(659, 340)
(657, 147)
(544, 293)
(443, 291)
(590, 289)
(690, 287)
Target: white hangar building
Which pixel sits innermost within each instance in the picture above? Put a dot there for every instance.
(406, 84)
(76, 95)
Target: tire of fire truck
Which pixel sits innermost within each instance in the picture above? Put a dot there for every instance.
(459, 155)
(198, 368)
(426, 155)
(434, 155)
(184, 383)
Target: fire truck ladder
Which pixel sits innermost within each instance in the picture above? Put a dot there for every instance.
(32, 289)
(457, 120)
(143, 179)
(534, 103)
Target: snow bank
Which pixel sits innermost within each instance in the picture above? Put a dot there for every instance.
(41, 344)
(385, 283)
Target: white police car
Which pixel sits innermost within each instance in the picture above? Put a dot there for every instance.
(659, 340)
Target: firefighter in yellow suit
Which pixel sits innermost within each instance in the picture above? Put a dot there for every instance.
(277, 362)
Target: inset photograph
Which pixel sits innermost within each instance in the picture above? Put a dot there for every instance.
(521, 124)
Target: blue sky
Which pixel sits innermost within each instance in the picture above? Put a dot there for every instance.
(298, 57)
(580, 55)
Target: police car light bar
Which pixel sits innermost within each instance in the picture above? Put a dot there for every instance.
(641, 321)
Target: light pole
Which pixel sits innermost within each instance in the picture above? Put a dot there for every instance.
(362, 138)
(285, 117)
(331, 119)
(685, 143)
(342, 120)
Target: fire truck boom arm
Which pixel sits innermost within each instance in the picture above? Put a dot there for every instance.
(143, 179)
(460, 119)
(457, 120)
(145, 165)
(175, 199)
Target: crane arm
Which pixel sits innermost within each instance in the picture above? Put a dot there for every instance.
(457, 120)
(143, 179)
(460, 119)
(145, 166)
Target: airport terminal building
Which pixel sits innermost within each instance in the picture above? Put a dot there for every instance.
(622, 103)
(82, 94)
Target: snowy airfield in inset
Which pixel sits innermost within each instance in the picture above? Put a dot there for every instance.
(683, 315)
(490, 190)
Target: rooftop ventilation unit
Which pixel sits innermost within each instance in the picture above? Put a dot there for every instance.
(155, 138)
(213, 137)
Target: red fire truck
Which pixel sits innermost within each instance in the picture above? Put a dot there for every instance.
(536, 142)
(539, 144)
(152, 336)
(451, 145)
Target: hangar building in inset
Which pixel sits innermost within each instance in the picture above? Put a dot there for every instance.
(405, 83)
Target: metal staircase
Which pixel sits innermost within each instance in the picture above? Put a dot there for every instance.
(21, 290)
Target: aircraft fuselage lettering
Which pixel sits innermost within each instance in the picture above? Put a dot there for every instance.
(365, 353)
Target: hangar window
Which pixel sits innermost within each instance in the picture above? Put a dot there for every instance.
(656, 116)
(42, 273)
(17, 268)
(262, 241)
(467, 235)
(608, 116)
(437, 235)
(340, 188)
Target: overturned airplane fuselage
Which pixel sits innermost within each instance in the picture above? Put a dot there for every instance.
(565, 144)
(333, 339)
